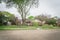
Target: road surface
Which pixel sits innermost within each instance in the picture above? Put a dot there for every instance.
(30, 35)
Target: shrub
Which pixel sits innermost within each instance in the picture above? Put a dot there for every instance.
(51, 22)
(35, 24)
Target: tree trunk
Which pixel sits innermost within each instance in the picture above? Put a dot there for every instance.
(23, 21)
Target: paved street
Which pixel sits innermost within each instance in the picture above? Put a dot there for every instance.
(30, 35)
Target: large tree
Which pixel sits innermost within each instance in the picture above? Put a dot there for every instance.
(5, 17)
(23, 6)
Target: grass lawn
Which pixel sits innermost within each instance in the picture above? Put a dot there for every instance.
(14, 27)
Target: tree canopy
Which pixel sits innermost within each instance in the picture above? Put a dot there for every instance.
(5, 17)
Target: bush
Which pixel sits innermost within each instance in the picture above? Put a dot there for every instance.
(51, 22)
(35, 24)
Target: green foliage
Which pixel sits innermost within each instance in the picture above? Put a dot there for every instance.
(51, 21)
(8, 15)
(35, 24)
(5, 17)
(2, 18)
(30, 17)
(49, 27)
(21, 2)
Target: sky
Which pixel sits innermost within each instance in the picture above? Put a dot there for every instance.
(50, 7)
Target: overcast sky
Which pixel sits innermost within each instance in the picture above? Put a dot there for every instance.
(51, 7)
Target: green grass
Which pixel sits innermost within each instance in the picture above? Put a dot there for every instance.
(49, 27)
(14, 27)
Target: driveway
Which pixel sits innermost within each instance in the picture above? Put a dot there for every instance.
(30, 35)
